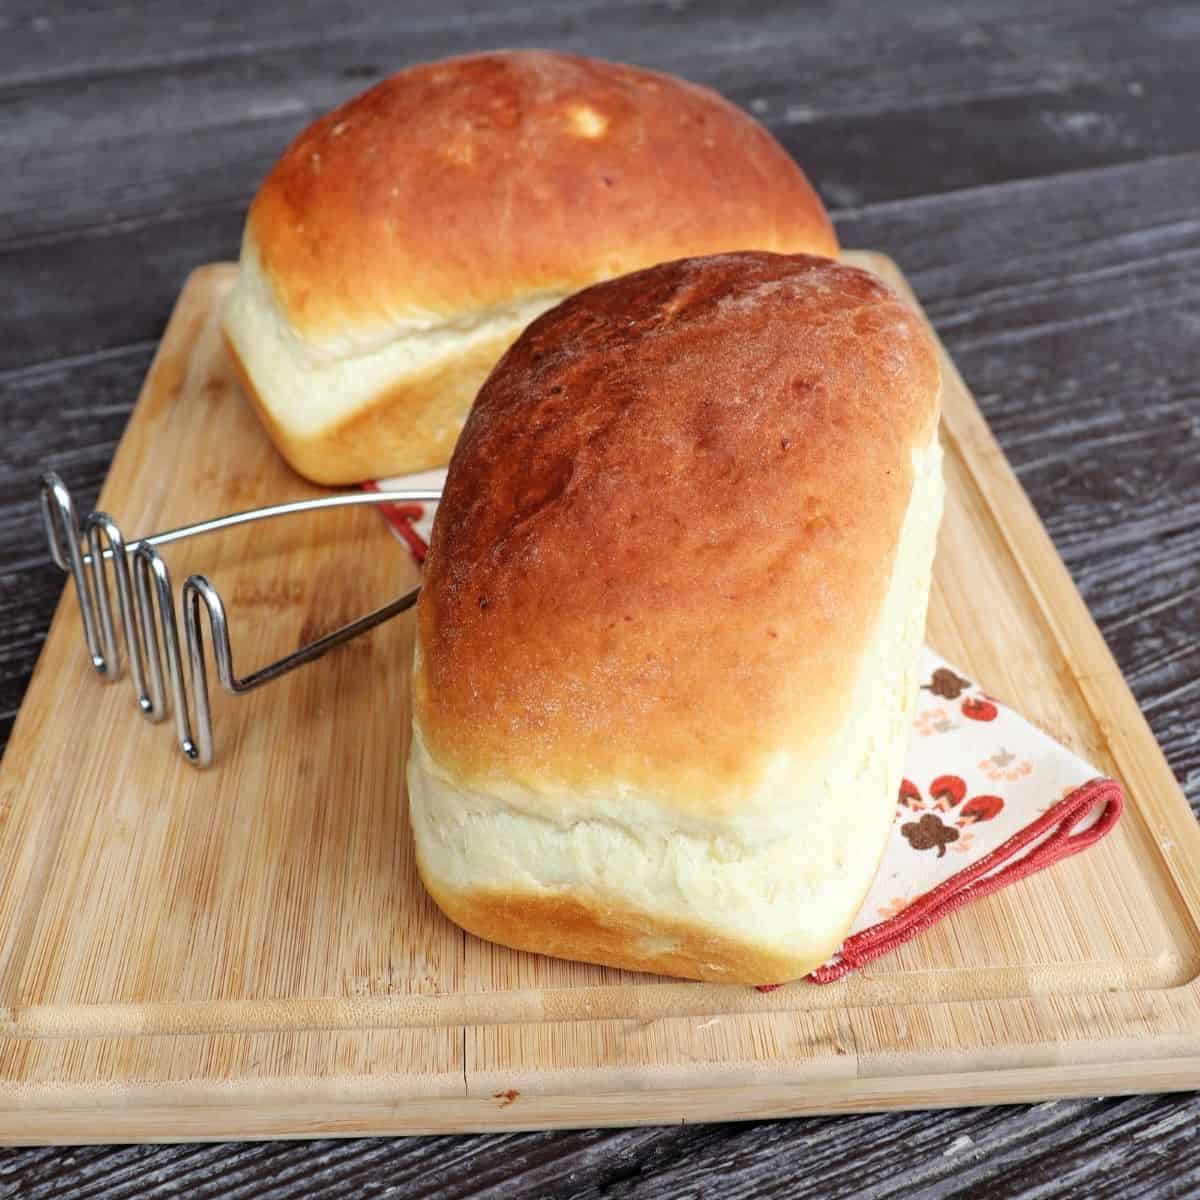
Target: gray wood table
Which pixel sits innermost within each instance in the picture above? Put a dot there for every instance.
(1035, 168)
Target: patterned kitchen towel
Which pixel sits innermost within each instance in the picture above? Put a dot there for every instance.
(986, 799)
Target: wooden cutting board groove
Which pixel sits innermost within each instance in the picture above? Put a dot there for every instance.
(247, 951)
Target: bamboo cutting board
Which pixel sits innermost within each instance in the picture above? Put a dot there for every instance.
(247, 952)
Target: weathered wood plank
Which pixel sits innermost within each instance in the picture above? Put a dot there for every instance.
(191, 163)
(105, 289)
(977, 48)
(995, 94)
(1122, 1148)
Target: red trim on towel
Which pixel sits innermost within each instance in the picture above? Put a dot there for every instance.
(975, 881)
(400, 518)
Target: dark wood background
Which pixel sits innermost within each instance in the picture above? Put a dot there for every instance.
(1035, 168)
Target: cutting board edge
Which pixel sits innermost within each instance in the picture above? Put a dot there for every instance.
(116, 1105)
(863, 991)
(128, 1118)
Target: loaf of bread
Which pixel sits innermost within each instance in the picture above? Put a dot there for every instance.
(666, 647)
(404, 240)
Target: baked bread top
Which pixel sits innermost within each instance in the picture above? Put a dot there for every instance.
(668, 530)
(457, 187)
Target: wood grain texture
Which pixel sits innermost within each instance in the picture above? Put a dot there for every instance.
(249, 947)
(1052, 142)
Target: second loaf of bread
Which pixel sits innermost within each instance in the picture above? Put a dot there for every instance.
(404, 240)
(667, 642)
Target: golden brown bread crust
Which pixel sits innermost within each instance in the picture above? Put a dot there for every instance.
(668, 526)
(456, 186)
(596, 930)
(409, 427)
